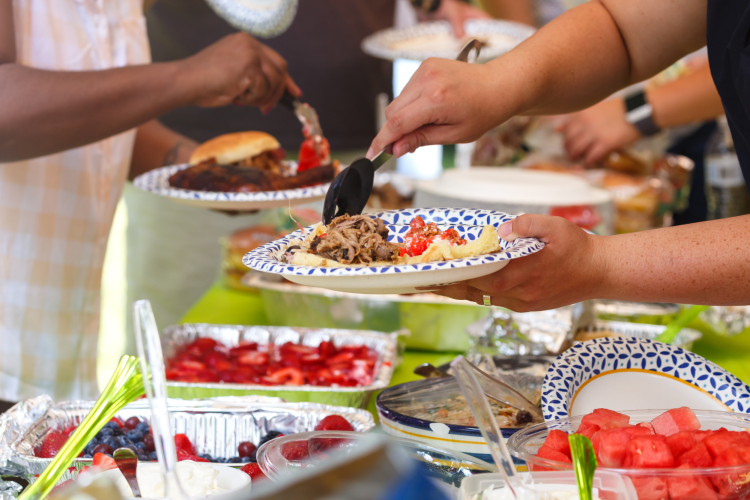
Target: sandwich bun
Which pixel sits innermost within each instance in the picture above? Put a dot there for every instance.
(231, 148)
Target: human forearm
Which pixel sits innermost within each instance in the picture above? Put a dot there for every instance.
(156, 146)
(705, 263)
(692, 98)
(49, 111)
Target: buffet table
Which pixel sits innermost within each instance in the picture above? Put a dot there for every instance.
(223, 305)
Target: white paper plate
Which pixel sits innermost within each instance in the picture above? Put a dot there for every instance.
(402, 278)
(157, 182)
(230, 479)
(435, 39)
(629, 373)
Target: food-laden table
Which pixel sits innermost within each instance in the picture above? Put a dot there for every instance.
(223, 305)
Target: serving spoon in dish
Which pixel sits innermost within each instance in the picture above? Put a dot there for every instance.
(350, 190)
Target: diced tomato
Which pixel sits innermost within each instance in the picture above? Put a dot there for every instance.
(646, 452)
(676, 420)
(680, 443)
(558, 441)
(690, 488)
(696, 457)
(309, 158)
(601, 416)
(416, 223)
(651, 488)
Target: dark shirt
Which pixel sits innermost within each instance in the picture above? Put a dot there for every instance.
(322, 47)
(728, 37)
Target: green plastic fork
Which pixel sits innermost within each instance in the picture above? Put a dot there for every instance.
(125, 386)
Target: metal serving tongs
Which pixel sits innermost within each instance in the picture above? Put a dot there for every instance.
(480, 408)
(350, 190)
(492, 388)
(306, 115)
(150, 355)
(125, 386)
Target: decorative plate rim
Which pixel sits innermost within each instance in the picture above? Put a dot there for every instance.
(378, 43)
(261, 259)
(562, 383)
(157, 182)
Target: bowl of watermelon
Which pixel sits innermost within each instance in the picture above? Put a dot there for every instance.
(676, 454)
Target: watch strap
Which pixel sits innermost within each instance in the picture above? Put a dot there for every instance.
(639, 113)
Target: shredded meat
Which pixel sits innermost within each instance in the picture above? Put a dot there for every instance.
(264, 161)
(355, 240)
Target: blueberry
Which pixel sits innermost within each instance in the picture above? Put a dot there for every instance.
(88, 455)
(106, 431)
(271, 435)
(142, 458)
(141, 445)
(143, 427)
(245, 460)
(254, 456)
(124, 441)
(206, 456)
(235, 460)
(111, 425)
(116, 431)
(132, 448)
(152, 456)
(94, 441)
(111, 441)
(135, 436)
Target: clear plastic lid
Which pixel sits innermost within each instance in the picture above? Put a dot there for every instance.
(280, 458)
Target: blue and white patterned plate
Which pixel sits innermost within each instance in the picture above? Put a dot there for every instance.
(157, 182)
(435, 39)
(402, 278)
(635, 374)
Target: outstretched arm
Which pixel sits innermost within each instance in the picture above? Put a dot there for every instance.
(44, 112)
(571, 63)
(157, 146)
(706, 263)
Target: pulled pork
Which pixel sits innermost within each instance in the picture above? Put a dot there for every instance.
(355, 240)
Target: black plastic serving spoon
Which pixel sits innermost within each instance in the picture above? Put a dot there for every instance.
(350, 190)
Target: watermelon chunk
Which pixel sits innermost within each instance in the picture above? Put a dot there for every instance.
(695, 458)
(646, 452)
(558, 441)
(690, 488)
(587, 430)
(615, 424)
(681, 442)
(676, 420)
(613, 445)
(600, 417)
(651, 488)
(719, 442)
(647, 425)
(729, 485)
(700, 435)
(551, 454)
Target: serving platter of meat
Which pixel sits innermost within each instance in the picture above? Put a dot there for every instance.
(392, 252)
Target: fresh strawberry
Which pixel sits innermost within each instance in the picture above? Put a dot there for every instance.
(253, 358)
(253, 470)
(119, 422)
(182, 442)
(288, 376)
(62, 485)
(53, 441)
(103, 462)
(334, 423)
(69, 430)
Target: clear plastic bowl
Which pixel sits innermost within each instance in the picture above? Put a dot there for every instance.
(525, 444)
(280, 458)
(610, 486)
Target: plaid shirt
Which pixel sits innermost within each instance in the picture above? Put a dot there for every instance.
(56, 211)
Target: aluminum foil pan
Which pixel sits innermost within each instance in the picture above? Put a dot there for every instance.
(436, 323)
(214, 426)
(684, 339)
(385, 344)
(635, 312)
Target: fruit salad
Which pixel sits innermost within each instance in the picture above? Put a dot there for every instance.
(206, 360)
(672, 440)
(135, 434)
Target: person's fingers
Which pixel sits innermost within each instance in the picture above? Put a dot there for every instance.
(458, 291)
(404, 122)
(277, 83)
(597, 152)
(578, 146)
(457, 24)
(541, 227)
(292, 87)
(425, 135)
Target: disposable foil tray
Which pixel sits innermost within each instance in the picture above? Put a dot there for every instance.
(384, 344)
(214, 426)
(684, 339)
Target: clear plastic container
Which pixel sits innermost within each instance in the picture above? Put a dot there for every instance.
(280, 458)
(525, 444)
(607, 485)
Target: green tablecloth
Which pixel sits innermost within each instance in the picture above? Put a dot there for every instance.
(223, 305)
